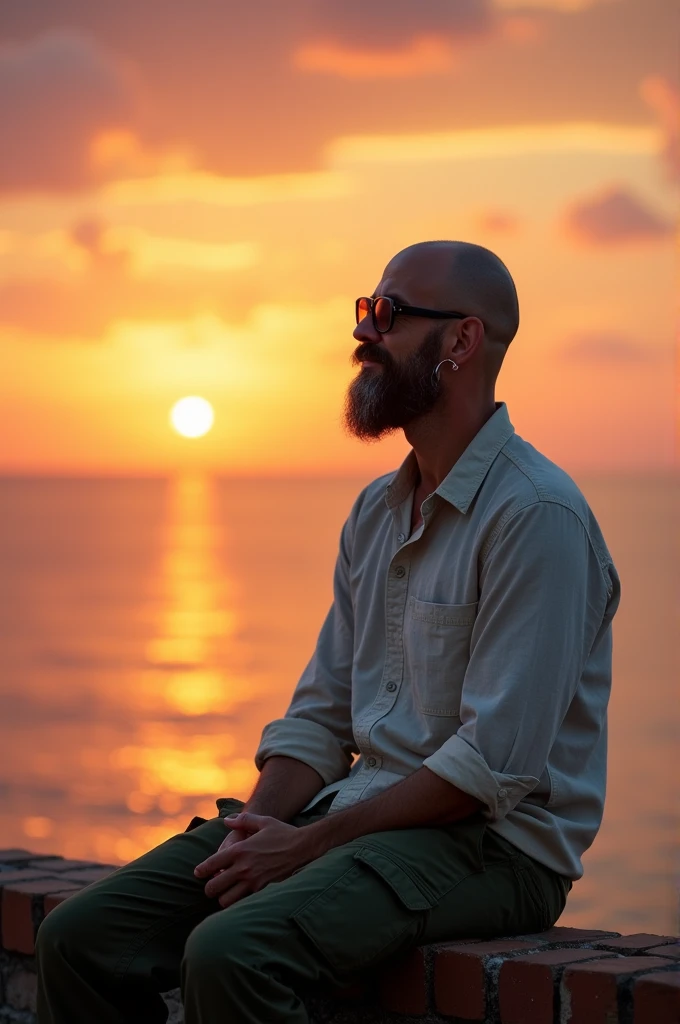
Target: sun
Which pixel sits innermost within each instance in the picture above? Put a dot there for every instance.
(192, 416)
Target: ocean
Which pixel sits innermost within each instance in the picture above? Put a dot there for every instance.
(151, 627)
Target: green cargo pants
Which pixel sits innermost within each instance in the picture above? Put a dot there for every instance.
(105, 954)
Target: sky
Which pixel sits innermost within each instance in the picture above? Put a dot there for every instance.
(192, 196)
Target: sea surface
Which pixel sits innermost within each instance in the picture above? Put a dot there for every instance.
(150, 628)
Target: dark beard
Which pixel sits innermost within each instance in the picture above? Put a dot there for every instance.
(381, 401)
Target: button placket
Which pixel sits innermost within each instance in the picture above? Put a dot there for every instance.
(395, 602)
(399, 523)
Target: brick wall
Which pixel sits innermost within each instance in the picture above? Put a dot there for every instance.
(563, 976)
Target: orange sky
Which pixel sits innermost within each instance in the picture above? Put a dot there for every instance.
(191, 196)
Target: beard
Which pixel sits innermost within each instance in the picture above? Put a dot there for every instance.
(379, 402)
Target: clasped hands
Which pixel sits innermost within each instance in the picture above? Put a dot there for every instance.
(257, 851)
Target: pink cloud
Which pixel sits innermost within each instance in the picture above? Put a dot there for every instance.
(424, 56)
(615, 217)
(377, 39)
(219, 80)
(90, 236)
(664, 99)
(391, 22)
(607, 347)
(84, 304)
(56, 93)
(498, 222)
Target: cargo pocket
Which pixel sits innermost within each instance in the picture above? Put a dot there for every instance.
(369, 912)
(227, 805)
(194, 823)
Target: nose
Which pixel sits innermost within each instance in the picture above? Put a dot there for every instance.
(366, 332)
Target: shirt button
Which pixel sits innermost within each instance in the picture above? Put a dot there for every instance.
(401, 538)
(371, 762)
(502, 793)
(391, 687)
(400, 571)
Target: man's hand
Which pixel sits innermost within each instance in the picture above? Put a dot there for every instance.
(235, 836)
(271, 851)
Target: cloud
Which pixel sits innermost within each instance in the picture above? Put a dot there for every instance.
(74, 283)
(522, 28)
(498, 222)
(90, 236)
(563, 6)
(664, 99)
(264, 87)
(604, 347)
(615, 217)
(386, 22)
(396, 40)
(57, 92)
(216, 190)
(29, 256)
(155, 255)
(492, 143)
(119, 153)
(424, 56)
(130, 250)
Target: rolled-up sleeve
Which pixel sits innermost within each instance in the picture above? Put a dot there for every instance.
(317, 727)
(544, 602)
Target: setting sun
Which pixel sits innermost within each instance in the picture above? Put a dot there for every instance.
(192, 416)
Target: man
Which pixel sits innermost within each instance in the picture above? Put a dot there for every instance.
(466, 660)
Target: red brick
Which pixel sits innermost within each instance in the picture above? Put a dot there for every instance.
(53, 899)
(670, 951)
(60, 864)
(568, 936)
(593, 988)
(22, 875)
(527, 985)
(459, 983)
(402, 986)
(18, 927)
(9, 856)
(43, 886)
(635, 943)
(656, 998)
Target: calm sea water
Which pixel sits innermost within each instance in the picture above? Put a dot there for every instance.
(150, 629)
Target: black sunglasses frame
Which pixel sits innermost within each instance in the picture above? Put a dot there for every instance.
(397, 308)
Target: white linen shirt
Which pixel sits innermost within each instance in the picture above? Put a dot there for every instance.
(480, 647)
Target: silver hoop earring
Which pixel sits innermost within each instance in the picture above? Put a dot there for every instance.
(435, 372)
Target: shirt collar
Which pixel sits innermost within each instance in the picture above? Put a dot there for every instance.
(461, 484)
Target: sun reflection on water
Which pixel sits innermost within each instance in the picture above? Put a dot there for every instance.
(170, 769)
(196, 606)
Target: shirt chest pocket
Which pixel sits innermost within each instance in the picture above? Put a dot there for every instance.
(436, 653)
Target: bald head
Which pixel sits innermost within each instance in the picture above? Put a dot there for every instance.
(459, 276)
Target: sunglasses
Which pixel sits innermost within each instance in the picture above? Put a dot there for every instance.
(383, 311)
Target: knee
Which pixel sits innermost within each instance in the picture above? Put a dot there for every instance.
(70, 928)
(211, 945)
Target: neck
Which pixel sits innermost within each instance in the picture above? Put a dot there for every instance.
(440, 438)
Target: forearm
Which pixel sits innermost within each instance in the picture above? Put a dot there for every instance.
(284, 787)
(420, 800)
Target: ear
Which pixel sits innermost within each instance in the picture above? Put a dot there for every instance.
(469, 338)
